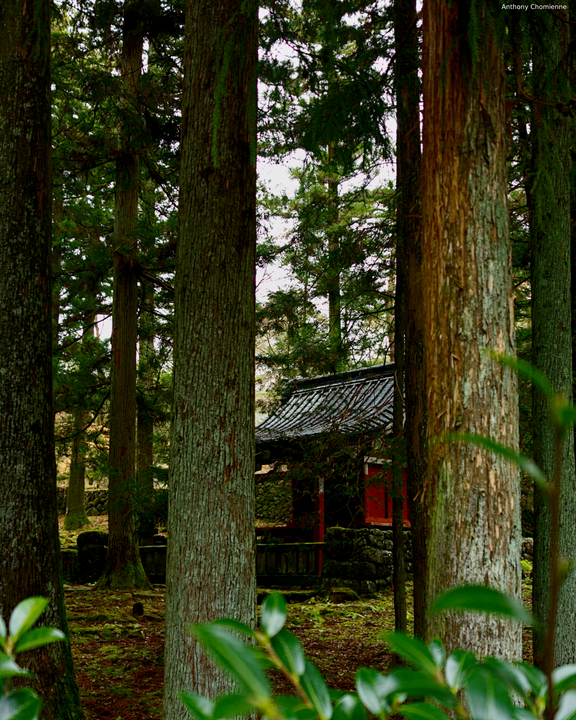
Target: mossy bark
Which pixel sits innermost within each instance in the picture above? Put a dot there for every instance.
(549, 196)
(30, 558)
(473, 495)
(211, 545)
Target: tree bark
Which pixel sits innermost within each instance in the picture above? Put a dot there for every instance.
(409, 265)
(473, 495)
(30, 559)
(123, 567)
(551, 321)
(211, 546)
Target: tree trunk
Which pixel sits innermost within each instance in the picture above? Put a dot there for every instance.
(409, 227)
(76, 516)
(473, 495)
(30, 559)
(145, 424)
(123, 567)
(211, 546)
(551, 322)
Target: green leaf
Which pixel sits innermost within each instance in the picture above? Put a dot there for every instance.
(289, 650)
(567, 707)
(197, 705)
(3, 634)
(38, 637)
(479, 598)
(232, 705)
(293, 708)
(421, 711)
(316, 690)
(415, 684)
(413, 650)
(348, 707)
(273, 614)
(235, 657)
(564, 678)
(438, 653)
(511, 675)
(534, 677)
(20, 705)
(456, 669)
(9, 668)
(376, 691)
(234, 626)
(487, 697)
(25, 615)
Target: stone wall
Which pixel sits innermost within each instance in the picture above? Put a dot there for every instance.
(274, 500)
(361, 558)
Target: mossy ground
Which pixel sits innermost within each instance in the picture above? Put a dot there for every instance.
(118, 645)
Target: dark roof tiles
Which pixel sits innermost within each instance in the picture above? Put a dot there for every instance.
(350, 403)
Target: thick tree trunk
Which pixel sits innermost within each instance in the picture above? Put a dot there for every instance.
(123, 567)
(551, 322)
(30, 557)
(211, 565)
(409, 227)
(473, 495)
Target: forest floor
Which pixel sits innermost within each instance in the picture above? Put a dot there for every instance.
(118, 644)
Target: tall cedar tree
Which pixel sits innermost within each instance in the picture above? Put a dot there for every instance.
(473, 495)
(549, 197)
(30, 558)
(211, 560)
(409, 229)
(123, 568)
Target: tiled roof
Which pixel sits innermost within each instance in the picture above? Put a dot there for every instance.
(350, 403)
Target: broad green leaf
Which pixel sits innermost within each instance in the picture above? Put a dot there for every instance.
(25, 615)
(315, 688)
(273, 614)
(38, 637)
(479, 598)
(487, 697)
(289, 650)
(523, 461)
(235, 657)
(20, 705)
(413, 650)
(567, 706)
(234, 626)
(348, 707)
(564, 678)
(511, 675)
(535, 678)
(3, 634)
(418, 685)
(456, 669)
(293, 708)
(438, 653)
(9, 668)
(232, 705)
(198, 705)
(421, 711)
(376, 691)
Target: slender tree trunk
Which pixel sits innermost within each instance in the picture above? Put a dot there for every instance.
(123, 567)
(30, 558)
(211, 546)
(76, 516)
(551, 320)
(474, 495)
(409, 227)
(145, 424)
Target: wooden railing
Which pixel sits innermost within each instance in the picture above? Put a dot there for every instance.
(289, 563)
